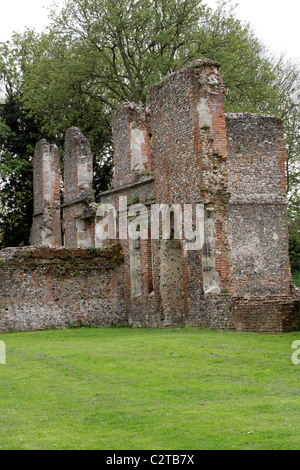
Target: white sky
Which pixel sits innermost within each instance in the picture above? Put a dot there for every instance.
(276, 22)
(16, 15)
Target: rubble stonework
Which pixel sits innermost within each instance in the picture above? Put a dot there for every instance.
(257, 220)
(56, 287)
(189, 144)
(46, 226)
(131, 135)
(78, 224)
(183, 155)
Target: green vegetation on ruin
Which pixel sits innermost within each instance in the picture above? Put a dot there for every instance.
(124, 388)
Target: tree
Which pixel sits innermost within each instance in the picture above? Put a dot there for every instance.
(246, 67)
(97, 54)
(131, 43)
(21, 129)
(18, 134)
(100, 53)
(292, 140)
(288, 86)
(111, 51)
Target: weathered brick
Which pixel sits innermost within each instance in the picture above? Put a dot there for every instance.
(183, 150)
(46, 224)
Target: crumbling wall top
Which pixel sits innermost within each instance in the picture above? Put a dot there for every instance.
(253, 116)
(131, 127)
(78, 165)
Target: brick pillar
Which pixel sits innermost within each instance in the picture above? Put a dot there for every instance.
(78, 219)
(190, 154)
(131, 134)
(189, 134)
(46, 224)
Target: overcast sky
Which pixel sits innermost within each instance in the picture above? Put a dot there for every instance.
(276, 22)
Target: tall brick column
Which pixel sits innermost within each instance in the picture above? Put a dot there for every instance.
(46, 224)
(190, 148)
(78, 220)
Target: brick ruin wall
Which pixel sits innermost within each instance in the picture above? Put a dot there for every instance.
(269, 315)
(134, 180)
(58, 288)
(257, 211)
(164, 282)
(266, 299)
(182, 150)
(189, 142)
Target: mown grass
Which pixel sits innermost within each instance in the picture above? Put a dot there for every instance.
(296, 278)
(140, 389)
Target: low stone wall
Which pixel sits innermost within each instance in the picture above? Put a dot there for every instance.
(269, 315)
(47, 287)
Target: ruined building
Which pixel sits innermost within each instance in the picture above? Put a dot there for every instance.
(183, 152)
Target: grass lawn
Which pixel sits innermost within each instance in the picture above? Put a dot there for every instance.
(296, 278)
(157, 389)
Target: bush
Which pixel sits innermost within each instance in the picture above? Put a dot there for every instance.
(294, 245)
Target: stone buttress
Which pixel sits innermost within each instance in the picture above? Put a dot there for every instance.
(46, 225)
(78, 219)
